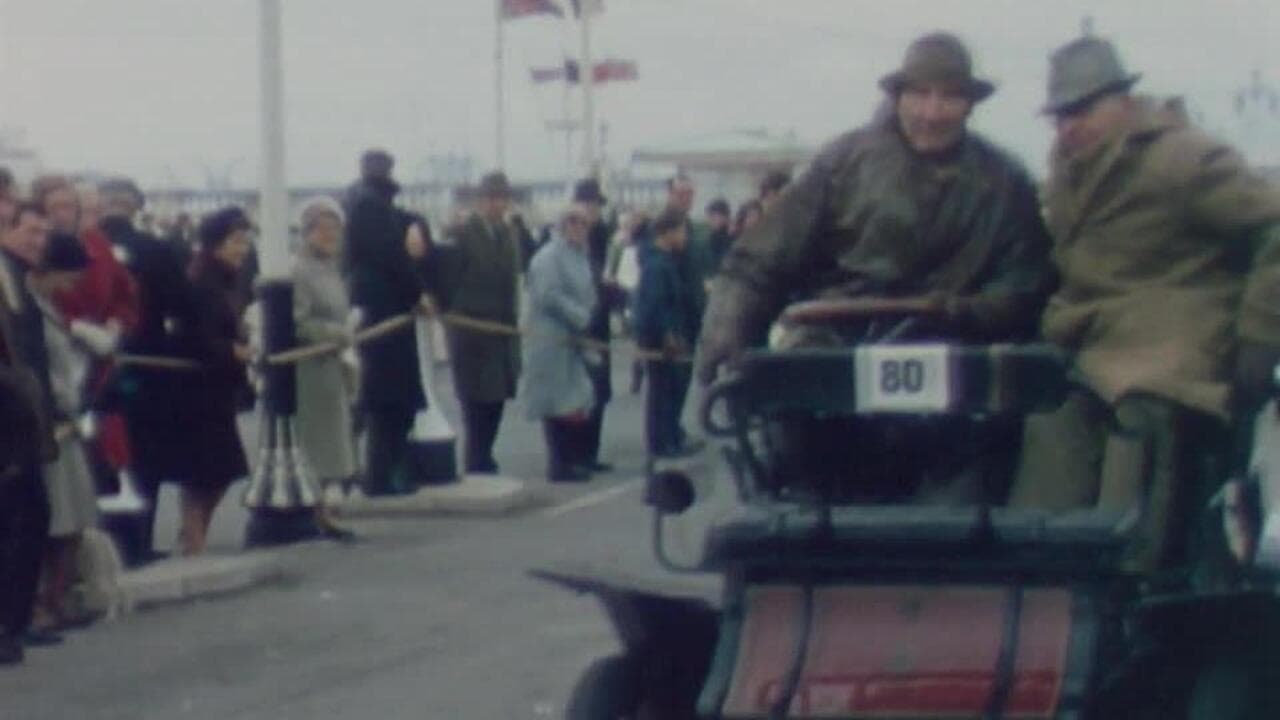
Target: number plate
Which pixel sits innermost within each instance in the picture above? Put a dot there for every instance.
(902, 378)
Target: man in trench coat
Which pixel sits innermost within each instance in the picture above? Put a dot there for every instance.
(1169, 257)
(477, 275)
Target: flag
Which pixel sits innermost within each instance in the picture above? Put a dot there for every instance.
(547, 74)
(605, 71)
(595, 7)
(613, 70)
(513, 9)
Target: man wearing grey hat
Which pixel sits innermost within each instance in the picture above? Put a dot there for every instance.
(479, 272)
(1169, 300)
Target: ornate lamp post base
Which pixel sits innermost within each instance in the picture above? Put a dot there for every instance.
(282, 496)
(433, 458)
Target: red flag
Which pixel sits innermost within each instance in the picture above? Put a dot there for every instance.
(615, 71)
(512, 9)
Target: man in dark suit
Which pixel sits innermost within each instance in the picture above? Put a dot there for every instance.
(381, 266)
(478, 271)
(148, 394)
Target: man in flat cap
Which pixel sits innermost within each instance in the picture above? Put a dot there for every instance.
(911, 204)
(1168, 248)
(478, 276)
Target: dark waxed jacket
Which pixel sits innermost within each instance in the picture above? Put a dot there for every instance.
(384, 282)
(872, 218)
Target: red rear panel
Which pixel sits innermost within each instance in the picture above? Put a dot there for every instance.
(899, 652)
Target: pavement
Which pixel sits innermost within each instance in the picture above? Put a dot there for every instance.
(175, 580)
(227, 569)
(432, 614)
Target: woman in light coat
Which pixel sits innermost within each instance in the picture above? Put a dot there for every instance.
(557, 386)
(68, 479)
(321, 309)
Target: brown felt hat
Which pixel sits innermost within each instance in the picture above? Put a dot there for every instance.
(938, 57)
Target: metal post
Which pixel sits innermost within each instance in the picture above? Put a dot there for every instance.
(587, 76)
(499, 89)
(282, 495)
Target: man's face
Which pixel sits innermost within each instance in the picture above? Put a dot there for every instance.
(717, 221)
(592, 210)
(681, 196)
(1080, 129)
(575, 225)
(62, 207)
(27, 238)
(494, 207)
(933, 116)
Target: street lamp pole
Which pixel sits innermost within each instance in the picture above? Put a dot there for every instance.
(282, 495)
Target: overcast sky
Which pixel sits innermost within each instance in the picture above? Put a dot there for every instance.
(165, 89)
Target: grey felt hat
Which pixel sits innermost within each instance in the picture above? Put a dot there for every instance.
(1082, 70)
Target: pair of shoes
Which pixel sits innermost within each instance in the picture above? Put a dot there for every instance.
(41, 638)
(11, 652)
(596, 466)
(570, 474)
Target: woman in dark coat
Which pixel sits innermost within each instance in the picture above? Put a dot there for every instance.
(216, 393)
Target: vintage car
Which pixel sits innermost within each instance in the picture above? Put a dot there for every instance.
(856, 585)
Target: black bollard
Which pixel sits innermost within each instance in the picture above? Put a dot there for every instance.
(282, 495)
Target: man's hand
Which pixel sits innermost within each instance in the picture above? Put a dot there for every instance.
(427, 306)
(415, 243)
(102, 340)
(720, 343)
(674, 348)
(242, 352)
(1255, 370)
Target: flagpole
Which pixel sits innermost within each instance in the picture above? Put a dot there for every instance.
(587, 76)
(500, 140)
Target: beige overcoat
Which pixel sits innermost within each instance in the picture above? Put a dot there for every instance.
(1161, 241)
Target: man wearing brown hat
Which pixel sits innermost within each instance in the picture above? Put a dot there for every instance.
(911, 204)
(1169, 257)
(479, 272)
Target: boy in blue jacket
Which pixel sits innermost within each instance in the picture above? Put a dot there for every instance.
(664, 321)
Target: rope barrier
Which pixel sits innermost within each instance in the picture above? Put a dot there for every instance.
(387, 327)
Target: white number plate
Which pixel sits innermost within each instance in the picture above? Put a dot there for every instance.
(902, 378)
